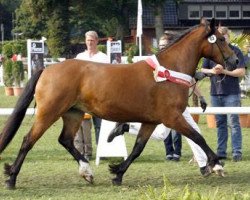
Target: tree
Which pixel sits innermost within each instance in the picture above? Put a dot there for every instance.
(7, 9)
(27, 23)
(37, 18)
(58, 30)
(64, 22)
(110, 16)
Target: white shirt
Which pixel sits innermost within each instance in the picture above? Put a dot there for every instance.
(98, 57)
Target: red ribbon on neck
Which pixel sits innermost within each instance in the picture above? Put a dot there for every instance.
(166, 74)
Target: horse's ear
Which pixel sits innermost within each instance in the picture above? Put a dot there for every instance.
(203, 21)
(212, 27)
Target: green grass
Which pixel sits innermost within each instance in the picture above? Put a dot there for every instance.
(49, 172)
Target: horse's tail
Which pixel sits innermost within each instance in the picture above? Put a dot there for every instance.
(16, 118)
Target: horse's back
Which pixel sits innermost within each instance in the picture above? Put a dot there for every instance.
(107, 90)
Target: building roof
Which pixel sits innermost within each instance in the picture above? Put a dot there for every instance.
(215, 1)
(170, 17)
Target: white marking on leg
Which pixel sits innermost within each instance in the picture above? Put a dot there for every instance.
(85, 170)
(218, 169)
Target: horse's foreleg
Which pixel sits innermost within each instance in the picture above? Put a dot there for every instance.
(213, 161)
(71, 123)
(144, 133)
(190, 132)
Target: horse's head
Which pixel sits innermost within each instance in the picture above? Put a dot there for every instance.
(216, 46)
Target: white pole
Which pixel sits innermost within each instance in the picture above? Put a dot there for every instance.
(192, 110)
(139, 26)
(140, 47)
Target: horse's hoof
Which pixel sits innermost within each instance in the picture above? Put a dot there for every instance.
(206, 171)
(85, 171)
(116, 181)
(220, 173)
(9, 185)
(218, 169)
(89, 179)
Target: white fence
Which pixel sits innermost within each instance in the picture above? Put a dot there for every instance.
(192, 110)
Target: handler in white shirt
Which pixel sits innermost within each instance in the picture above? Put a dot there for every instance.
(83, 139)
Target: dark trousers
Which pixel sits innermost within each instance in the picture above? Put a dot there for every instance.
(173, 143)
(97, 125)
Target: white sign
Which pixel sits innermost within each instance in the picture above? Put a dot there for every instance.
(116, 148)
(35, 56)
(114, 51)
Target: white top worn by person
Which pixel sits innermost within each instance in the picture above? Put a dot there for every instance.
(92, 53)
(83, 139)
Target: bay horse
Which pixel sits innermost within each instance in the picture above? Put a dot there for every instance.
(120, 92)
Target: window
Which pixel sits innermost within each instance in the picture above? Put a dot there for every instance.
(221, 12)
(193, 12)
(234, 12)
(246, 12)
(208, 11)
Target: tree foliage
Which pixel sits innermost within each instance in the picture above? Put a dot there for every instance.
(7, 9)
(64, 22)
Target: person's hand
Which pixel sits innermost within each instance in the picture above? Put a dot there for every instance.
(218, 69)
(203, 103)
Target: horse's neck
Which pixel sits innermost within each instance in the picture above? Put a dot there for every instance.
(182, 57)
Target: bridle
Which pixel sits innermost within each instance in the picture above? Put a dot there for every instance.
(213, 40)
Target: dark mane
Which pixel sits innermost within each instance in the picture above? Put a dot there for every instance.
(177, 37)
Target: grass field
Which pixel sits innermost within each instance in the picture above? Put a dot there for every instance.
(49, 172)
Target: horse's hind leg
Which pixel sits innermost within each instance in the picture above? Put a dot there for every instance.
(71, 123)
(144, 133)
(120, 129)
(40, 125)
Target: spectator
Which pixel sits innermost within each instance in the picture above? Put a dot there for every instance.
(173, 142)
(225, 92)
(83, 139)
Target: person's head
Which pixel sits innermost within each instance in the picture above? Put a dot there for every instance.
(225, 32)
(164, 40)
(91, 39)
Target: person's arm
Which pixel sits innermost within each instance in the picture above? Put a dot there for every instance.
(239, 72)
(217, 69)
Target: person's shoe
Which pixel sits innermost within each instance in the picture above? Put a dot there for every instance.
(176, 157)
(120, 129)
(169, 157)
(222, 157)
(205, 171)
(237, 158)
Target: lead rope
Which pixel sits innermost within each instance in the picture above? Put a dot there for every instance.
(225, 61)
(192, 92)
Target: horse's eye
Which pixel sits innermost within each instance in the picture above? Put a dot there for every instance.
(222, 39)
